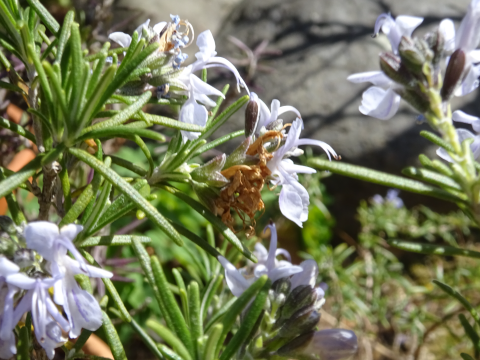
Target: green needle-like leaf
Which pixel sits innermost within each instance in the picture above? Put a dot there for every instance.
(17, 215)
(49, 21)
(175, 314)
(248, 322)
(16, 180)
(129, 192)
(169, 338)
(431, 177)
(113, 339)
(456, 295)
(224, 116)
(212, 342)
(195, 239)
(64, 34)
(196, 321)
(168, 353)
(23, 344)
(238, 306)
(470, 331)
(112, 240)
(213, 144)
(381, 178)
(79, 206)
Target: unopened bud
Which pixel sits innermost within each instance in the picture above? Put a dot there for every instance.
(412, 57)
(239, 155)
(206, 194)
(392, 66)
(300, 297)
(282, 286)
(415, 98)
(330, 344)
(453, 74)
(252, 114)
(304, 320)
(7, 225)
(210, 172)
(436, 42)
(275, 125)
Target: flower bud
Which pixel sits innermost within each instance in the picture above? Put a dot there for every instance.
(392, 66)
(300, 297)
(412, 57)
(302, 321)
(415, 98)
(454, 74)
(7, 225)
(252, 114)
(239, 156)
(436, 42)
(330, 344)
(275, 125)
(210, 172)
(282, 286)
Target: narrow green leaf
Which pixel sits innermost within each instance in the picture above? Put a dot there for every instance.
(11, 87)
(170, 123)
(183, 292)
(122, 116)
(81, 340)
(121, 131)
(112, 290)
(113, 339)
(213, 144)
(65, 181)
(169, 338)
(7, 124)
(431, 177)
(64, 34)
(178, 322)
(128, 165)
(130, 192)
(437, 140)
(23, 344)
(208, 295)
(432, 249)
(217, 106)
(248, 322)
(98, 209)
(79, 206)
(14, 181)
(94, 100)
(146, 265)
(195, 239)
(219, 314)
(17, 214)
(59, 92)
(378, 177)
(224, 116)
(112, 240)
(78, 78)
(466, 356)
(212, 341)
(168, 353)
(215, 221)
(122, 75)
(238, 306)
(196, 321)
(121, 206)
(470, 332)
(455, 294)
(47, 19)
(147, 340)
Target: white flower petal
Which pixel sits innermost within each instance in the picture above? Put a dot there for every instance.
(407, 24)
(206, 45)
(470, 82)
(377, 78)
(71, 231)
(463, 117)
(40, 236)
(292, 168)
(21, 281)
(157, 28)
(468, 34)
(308, 276)
(285, 271)
(462, 136)
(294, 201)
(379, 103)
(7, 267)
(193, 113)
(139, 29)
(121, 38)
(447, 29)
(8, 347)
(235, 281)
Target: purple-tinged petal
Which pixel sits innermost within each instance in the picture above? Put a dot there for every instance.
(235, 281)
(331, 344)
(7, 267)
(379, 103)
(285, 271)
(294, 201)
(463, 117)
(468, 34)
(447, 29)
(122, 39)
(71, 231)
(7, 346)
(40, 236)
(462, 136)
(193, 113)
(21, 281)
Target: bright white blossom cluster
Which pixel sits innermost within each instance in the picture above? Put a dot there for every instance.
(22, 292)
